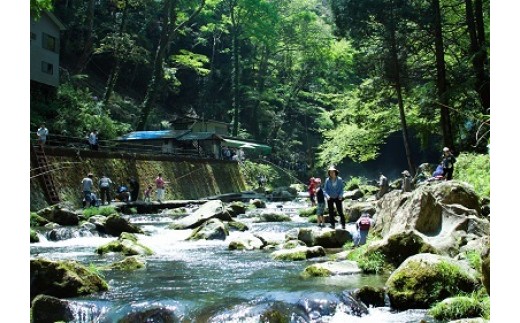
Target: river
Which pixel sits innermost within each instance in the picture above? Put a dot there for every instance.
(203, 281)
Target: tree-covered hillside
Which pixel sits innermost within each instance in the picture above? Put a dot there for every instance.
(319, 80)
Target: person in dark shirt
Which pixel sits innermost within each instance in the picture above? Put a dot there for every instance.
(320, 199)
(134, 189)
(448, 160)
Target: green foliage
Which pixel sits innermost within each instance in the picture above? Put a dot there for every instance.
(369, 261)
(276, 177)
(460, 307)
(190, 60)
(38, 6)
(77, 113)
(103, 210)
(475, 260)
(354, 183)
(474, 169)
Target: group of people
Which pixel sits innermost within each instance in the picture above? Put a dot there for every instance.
(331, 193)
(234, 154)
(123, 193)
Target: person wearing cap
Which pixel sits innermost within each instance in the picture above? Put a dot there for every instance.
(333, 191)
(320, 198)
(86, 186)
(447, 163)
(407, 181)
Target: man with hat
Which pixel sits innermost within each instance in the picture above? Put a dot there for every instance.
(333, 191)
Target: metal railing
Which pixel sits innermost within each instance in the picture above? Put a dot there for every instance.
(114, 146)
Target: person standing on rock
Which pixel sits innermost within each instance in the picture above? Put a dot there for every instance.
(407, 181)
(383, 186)
(333, 191)
(363, 225)
(311, 188)
(448, 160)
(104, 189)
(159, 187)
(134, 189)
(320, 199)
(86, 186)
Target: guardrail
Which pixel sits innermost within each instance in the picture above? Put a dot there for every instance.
(119, 147)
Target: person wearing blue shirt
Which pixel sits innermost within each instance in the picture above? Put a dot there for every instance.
(333, 191)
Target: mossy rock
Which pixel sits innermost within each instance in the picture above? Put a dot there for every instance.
(398, 247)
(316, 271)
(127, 264)
(424, 279)
(460, 307)
(291, 244)
(154, 314)
(34, 236)
(37, 220)
(45, 308)
(298, 253)
(115, 225)
(236, 208)
(312, 219)
(290, 256)
(307, 211)
(236, 226)
(371, 296)
(274, 217)
(127, 244)
(64, 279)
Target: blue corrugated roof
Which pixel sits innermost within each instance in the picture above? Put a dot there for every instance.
(156, 134)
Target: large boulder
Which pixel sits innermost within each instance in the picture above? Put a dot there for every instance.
(398, 247)
(60, 215)
(209, 210)
(426, 212)
(116, 224)
(49, 309)
(127, 244)
(326, 237)
(424, 279)
(355, 209)
(246, 241)
(213, 229)
(298, 253)
(371, 296)
(63, 279)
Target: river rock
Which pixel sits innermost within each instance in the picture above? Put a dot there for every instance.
(116, 224)
(299, 253)
(49, 309)
(236, 208)
(371, 296)
(246, 241)
(353, 306)
(154, 314)
(398, 247)
(425, 212)
(259, 204)
(424, 279)
(34, 236)
(208, 210)
(290, 244)
(355, 209)
(315, 309)
(129, 263)
(330, 268)
(353, 195)
(213, 229)
(63, 279)
(60, 215)
(269, 216)
(325, 237)
(127, 244)
(236, 226)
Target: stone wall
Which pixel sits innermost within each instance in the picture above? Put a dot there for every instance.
(188, 178)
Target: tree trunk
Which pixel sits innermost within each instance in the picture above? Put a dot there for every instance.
(262, 70)
(399, 90)
(89, 40)
(475, 22)
(169, 30)
(441, 76)
(235, 72)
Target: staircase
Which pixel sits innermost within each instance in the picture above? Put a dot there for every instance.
(45, 174)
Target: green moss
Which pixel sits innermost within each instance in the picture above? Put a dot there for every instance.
(291, 256)
(273, 316)
(475, 170)
(458, 308)
(237, 226)
(102, 210)
(315, 271)
(127, 264)
(34, 236)
(274, 217)
(475, 260)
(307, 212)
(313, 219)
(38, 221)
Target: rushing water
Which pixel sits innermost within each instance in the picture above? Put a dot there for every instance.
(203, 281)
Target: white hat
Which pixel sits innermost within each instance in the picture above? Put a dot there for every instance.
(446, 149)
